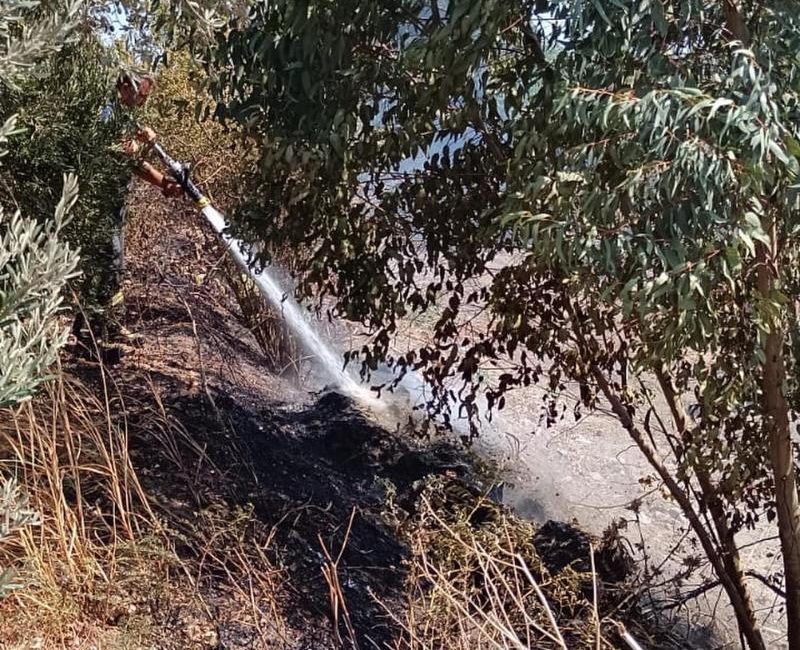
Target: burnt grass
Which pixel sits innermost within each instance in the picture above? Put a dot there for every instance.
(253, 482)
(303, 472)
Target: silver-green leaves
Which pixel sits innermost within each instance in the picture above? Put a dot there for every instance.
(34, 267)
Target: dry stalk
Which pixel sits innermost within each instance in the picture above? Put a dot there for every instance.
(69, 451)
(330, 571)
(475, 588)
(632, 643)
(278, 346)
(225, 546)
(595, 613)
(201, 364)
(172, 435)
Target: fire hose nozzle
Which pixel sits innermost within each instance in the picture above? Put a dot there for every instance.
(180, 172)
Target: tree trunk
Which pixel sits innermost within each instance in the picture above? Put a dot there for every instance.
(729, 552)
(776, 429)
(775, 407)
(725, 565)
(736, 591)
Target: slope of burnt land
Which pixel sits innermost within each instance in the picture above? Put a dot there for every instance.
(282, 506)
(307, 480)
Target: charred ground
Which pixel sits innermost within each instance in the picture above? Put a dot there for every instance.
(260, 485)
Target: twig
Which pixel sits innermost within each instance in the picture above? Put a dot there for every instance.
(596, 614)
(753, 574)
(330, 571)
(201, 364)
(695, 593)
(633, 644)
(543, 600)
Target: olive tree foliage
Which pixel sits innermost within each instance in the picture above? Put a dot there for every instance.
(632, 166)
(25, 42)
(17, 515)
(35, 264)
(68, 124)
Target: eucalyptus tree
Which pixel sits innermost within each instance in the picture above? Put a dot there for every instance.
(641, 160)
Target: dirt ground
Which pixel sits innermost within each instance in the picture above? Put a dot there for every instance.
(256, 477)
(259, 478)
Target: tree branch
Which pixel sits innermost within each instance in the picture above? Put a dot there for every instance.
(691, 595)
(752, 574)
(735, 22)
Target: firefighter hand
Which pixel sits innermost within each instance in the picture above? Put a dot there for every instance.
(130, 147)
(170, 188)
(146, 135)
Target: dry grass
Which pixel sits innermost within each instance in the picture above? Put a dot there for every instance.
(97, 550)
(233, 555)
(476, 582)
(96, 568)
(280, 349)
(340, 615)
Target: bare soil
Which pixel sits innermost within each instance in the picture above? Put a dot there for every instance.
(257, 479)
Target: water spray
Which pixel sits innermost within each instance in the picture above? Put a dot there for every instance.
(410, 391)
(267, 285)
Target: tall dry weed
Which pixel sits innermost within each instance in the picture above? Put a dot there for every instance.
(97, 545)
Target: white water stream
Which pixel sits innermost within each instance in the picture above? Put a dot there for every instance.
(330, 363)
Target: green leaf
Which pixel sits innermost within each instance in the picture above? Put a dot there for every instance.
(792, 146)
(695, 285)
(598, 5)
(659, 17)
(752, 220)
(747, 241)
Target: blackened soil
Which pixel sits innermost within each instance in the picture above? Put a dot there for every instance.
(305, 473)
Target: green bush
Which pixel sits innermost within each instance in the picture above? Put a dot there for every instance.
(35, 263)
(34, 267)
(61, 113)
(17, 514)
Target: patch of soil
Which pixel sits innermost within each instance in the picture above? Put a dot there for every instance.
(261, 488)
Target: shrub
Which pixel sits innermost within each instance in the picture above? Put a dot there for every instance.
(34, 266)
(34, 263)
(66, 127)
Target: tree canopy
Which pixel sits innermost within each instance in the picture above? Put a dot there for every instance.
(633, 164)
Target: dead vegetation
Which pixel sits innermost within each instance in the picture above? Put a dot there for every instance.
(104, 557)
(479, 577)
(97, 550)
(121, 560)
(281, 352)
